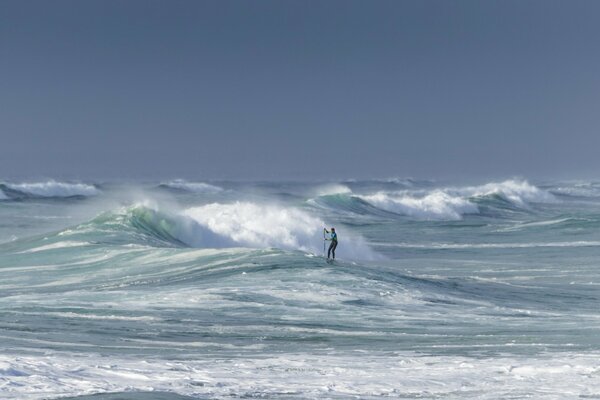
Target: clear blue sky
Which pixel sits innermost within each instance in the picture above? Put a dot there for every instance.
(299, 89)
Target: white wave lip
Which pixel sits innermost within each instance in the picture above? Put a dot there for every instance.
(437, 205)
(194, 187)
(246, 224)
(55, 189)
(518, 192)
(454, 203)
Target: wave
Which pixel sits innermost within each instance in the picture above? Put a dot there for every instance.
(454, 203)
(193, 187)
(591, 222)
(434, 206)
(218, 225)
(47, 189)
(332, 189)
(349, 204)
(518, 192)
(580, 190)
(262, 226)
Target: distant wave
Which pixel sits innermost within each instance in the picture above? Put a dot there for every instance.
(580, 189)
(331, 189)
(47, 189)
(436, 205)
(518, 192)
(194, 187)
(349, 204)
(575, 223)
(454, 203)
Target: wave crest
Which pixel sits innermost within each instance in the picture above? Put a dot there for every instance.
(518, 192)
(261, 226)
(219, 225)
(193, 187)
(454, 203)
(50, 188)
(332, 189)
(437, 205)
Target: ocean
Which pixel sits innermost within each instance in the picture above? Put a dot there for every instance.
(179, 290)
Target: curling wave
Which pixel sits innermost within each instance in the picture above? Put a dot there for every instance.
(437, 205)
(520, 193)
(454, 203)
(47, 189)
(217, 225)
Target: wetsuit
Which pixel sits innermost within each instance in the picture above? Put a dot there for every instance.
(333, 245)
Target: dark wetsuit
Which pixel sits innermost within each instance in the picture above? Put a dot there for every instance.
(333, 245)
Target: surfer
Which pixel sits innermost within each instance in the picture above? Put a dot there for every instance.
(334, 242)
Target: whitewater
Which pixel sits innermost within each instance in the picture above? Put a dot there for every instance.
(182, 289)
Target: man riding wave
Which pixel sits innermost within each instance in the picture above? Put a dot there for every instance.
(334, 242)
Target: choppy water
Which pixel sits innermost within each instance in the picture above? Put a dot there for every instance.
(176, 290)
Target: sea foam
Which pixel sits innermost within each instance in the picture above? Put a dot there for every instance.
(437, 205)
(247, 224)
(453, 203)
(54, 189)
(519, 192)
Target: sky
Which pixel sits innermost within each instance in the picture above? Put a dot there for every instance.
(299, 89)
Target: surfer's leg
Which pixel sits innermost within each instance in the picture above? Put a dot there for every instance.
(329, 250)
(333, 246)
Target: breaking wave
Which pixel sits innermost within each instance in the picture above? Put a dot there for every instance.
(194, 187)
(436, 205)
(332, 189)
(454, 203)
(218, 225)
(518, 192)
(47, 189)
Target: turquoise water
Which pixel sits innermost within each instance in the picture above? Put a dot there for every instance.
(173, 290)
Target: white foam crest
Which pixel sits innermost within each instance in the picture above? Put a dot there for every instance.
(331, 189)
(437, 205)
(245, 224)
(54, 189)
(352, 375)
(194, 187)
(518, 192)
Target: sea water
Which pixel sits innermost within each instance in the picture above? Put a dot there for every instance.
(179, 289)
